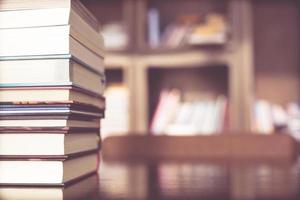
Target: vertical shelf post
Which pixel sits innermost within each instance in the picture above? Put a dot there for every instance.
(141, 96)
(242, 62)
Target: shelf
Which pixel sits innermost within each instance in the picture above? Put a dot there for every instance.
(118, 60)
(260, 57)
(140, 60)
(208, 47)
(186, 58)
(170, 58)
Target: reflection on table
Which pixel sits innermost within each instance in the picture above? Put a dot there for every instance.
(175, 180)
(200, 180)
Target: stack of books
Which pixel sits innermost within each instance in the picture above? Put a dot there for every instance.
(51, 87)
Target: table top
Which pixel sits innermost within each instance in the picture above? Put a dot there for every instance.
(178, 180)
(200, 180)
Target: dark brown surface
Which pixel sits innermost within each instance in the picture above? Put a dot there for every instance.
(186, 180)
(199, 180)
(276, 50)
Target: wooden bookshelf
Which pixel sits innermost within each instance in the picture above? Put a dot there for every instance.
(259, 60)
(119, 70)
(111, 11)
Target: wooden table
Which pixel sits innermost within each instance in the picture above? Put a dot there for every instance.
(176, 180)
(199, 180)
(184, 168)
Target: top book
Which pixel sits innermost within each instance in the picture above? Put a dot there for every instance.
(34, 4)
(32, 13)
(44, 18)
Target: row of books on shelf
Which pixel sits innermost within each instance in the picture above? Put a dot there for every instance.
(176, 117)
(271, 117)
(205, 117)
(186, 30)
(172, 116)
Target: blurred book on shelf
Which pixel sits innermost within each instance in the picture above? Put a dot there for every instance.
(117, 111)
(188, 30)
(212, 32)
(271, 117)
(173, 116)
(153, 28)
(115, 36)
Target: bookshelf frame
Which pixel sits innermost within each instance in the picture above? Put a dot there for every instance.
(237, 55)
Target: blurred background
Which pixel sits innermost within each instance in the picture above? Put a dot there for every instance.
(200, 67)
(197, 68)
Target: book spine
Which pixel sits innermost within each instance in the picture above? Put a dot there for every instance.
(48, 157)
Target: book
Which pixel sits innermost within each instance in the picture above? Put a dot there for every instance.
(169, 102)
(53, 121)
(200, 110)
(47, 142)
(45, 41)
(44, 110)
(174, 35)
(45, 171)
(117, 111)
(212, 32)
(279, 116)
(45, 5)
(22, 15)
(83, 25)
(86, 188)
(40, 72)
(50, 94)
(115, 36)
(153, 27)
(293, 123)
(183, 122)
(263, 117)
(33, 4)
(219, 114)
